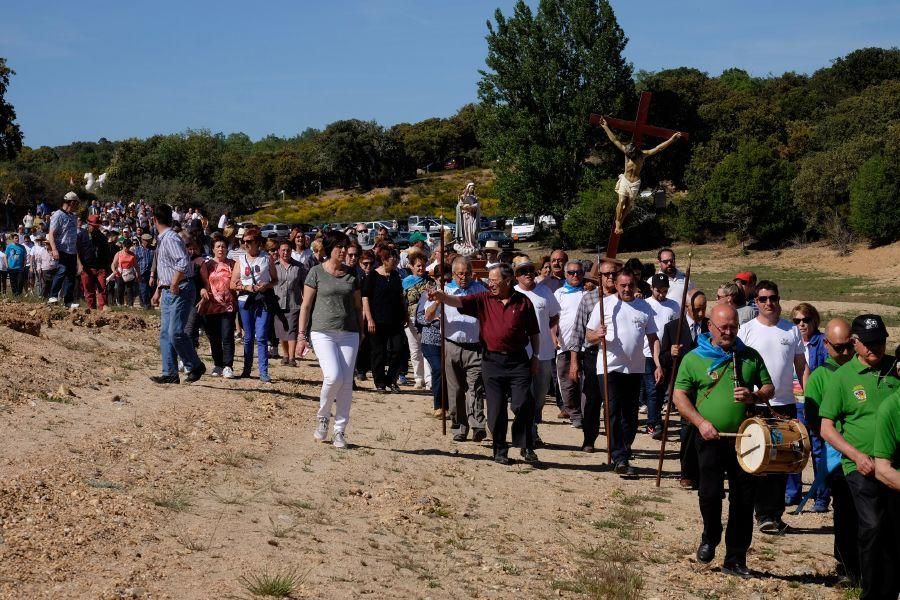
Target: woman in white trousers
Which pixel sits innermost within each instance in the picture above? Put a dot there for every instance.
(332, 313)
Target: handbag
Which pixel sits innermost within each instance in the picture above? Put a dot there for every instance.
(267, 298)
(129, 275)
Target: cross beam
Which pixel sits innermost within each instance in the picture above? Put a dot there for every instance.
(639, 127)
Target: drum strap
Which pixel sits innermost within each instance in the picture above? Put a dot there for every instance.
(713, 386)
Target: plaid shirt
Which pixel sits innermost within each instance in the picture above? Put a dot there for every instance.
(577, 341)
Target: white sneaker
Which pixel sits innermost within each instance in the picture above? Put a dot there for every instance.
(227, 373)
(217, 371)
(181, 366)
(52, 300)
(74, 305)
(338, 439)
(321, 430)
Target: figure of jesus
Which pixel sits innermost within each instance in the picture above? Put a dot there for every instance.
(629, 185)
(468, 216)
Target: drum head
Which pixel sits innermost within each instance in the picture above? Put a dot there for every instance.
(751, 448)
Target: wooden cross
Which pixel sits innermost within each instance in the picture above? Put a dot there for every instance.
(638, 128)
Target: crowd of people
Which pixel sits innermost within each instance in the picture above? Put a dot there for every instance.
(593, 335)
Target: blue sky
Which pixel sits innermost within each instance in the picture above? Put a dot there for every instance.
(87, 69)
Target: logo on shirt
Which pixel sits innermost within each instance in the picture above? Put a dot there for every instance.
(785, 342)
(859, 392)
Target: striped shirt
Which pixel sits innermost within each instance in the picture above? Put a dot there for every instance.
(64, 227)
(576, 341)
(172, 256)
(144, 259)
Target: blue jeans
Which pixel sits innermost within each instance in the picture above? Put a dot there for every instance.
(654, 394)
(63, 286)
(144, 289)
(794, 489)
(433, 355)
(256, 319)
(174, 342)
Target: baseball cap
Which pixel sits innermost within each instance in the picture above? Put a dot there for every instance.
(71, 197)
(744, 276)
(417, 236)
(93, 219)
(660, 281)
(868, 328)
(147, 236)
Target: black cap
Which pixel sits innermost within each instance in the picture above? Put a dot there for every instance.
(660, 281)
(868, 328)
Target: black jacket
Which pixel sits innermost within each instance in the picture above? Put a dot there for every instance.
(667, 340)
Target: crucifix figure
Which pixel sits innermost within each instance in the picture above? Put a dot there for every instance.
(629, 184)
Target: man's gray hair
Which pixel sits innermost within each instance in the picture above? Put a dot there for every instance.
(506, 271)
(462, 260)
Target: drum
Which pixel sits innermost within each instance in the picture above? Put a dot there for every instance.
(772, 446)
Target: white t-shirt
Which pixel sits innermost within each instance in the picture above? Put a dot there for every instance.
(663, 312)
(568, 307)
(778, 345)
(676, 287)
(627, 326)
(545, 307)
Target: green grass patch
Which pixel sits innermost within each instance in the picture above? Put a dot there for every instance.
(277, 584)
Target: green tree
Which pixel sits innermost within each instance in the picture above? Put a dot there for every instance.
(749, 193)
(10, 134)
(874, 211)
(546, 72)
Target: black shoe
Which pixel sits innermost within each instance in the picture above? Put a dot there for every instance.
(656, 433)
(460, 437)
(395, 389)
(501, 458)
(738, 569)
(165, 379)
(245, 374)
(621, 468)
(195, 374)
(706, 552)
(479, 435)
(528, 455)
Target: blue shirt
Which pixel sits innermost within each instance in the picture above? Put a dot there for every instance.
(172, 256)
(64, 227)
(15, 257)
(144, 259)
(458, 327)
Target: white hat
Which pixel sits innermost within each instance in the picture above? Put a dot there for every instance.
(71, 197)
(241, 231)
(492, 245)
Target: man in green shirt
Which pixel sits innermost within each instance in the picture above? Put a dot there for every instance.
(887, 443)
(840, 350)
(851, 402)
(712, 404)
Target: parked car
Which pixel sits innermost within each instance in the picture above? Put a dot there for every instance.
(505, 242)
(421, 223)
(275, 230)
(524, 228)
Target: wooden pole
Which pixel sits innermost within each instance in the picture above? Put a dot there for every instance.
(675, 363)
(605, 383)
(443, 374)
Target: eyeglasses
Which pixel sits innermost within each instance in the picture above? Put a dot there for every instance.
(840, 348)
(248, 240)
(612, 274)
(667, 261)
(725, 328)
(722, 296)
(579, 273)
(806, 320)
(766, 299)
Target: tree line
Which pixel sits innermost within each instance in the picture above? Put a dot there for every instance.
(770, 159)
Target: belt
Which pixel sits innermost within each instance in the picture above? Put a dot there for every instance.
(515, 354)
(474, 346)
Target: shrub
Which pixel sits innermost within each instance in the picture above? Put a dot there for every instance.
(874, 211)
(589, 222)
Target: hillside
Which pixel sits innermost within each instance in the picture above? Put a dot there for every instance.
(423, 196)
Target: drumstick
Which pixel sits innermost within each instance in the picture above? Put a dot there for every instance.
(733, 435)
(753, 449)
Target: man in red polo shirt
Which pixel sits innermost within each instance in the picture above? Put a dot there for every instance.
(508, 323)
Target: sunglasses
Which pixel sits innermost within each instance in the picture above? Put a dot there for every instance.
(667, 261)
(766, 299)
(248, 241)
(840, 348)
(526, 273)
(613, 274)
(806, 320)
(579, 273)
(366, 263)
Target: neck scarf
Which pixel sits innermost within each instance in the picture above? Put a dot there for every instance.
(412, 280)
(719, 357)
(568, 289)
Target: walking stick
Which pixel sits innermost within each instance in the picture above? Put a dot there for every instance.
(443, 375)
(605, 385)
(675, 363)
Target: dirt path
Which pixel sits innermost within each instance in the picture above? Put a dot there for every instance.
(125, 489)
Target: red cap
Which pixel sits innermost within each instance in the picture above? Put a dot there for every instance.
(744, 276)
(93, 219)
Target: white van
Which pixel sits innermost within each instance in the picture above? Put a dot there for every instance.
(524, 228)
